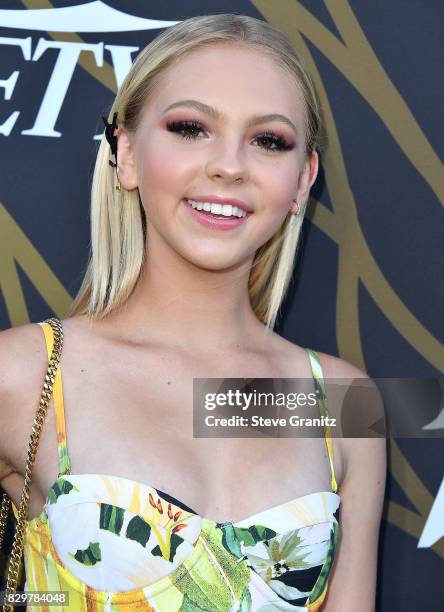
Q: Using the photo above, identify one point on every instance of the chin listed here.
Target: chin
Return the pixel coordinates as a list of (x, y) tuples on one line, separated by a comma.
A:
[(215, 261)]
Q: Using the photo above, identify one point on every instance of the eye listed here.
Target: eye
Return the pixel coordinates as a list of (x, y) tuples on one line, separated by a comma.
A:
[(187, 129), (279, 142), (191, 129)]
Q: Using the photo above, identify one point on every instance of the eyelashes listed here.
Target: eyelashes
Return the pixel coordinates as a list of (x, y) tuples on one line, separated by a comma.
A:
[(184, 128), (191, 129)]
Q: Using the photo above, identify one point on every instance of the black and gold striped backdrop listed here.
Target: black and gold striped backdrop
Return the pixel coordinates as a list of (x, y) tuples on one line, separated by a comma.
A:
[(369, 284)]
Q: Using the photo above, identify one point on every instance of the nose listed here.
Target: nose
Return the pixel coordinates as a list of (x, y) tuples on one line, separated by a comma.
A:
[(227, 164)]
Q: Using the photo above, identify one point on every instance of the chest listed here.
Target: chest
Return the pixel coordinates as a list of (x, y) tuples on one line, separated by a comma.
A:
[(134, 418)]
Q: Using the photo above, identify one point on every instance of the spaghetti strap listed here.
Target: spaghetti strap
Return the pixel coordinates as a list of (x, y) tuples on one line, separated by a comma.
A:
[(59, 412), (318, 378)]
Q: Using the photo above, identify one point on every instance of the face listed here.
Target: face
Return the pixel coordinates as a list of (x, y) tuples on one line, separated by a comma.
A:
[(219, 144)]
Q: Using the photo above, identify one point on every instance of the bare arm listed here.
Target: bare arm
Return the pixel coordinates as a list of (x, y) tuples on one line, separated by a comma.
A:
[(22, 368), (352, 584)]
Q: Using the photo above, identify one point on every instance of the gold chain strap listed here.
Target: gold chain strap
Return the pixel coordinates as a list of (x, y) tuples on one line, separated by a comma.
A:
[(17, 545), (4, 511)]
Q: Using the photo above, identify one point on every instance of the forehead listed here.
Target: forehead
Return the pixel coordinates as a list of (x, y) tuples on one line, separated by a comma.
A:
[(232, 77)]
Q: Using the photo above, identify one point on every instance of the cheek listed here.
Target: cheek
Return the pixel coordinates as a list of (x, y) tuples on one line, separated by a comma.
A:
[(163, 171), (278, 188)]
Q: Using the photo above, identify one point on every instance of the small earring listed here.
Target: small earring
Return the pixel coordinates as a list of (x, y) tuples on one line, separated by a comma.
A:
[(298, 207), (118, 187)]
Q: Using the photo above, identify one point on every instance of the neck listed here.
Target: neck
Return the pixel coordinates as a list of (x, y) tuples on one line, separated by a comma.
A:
[(179, 304)]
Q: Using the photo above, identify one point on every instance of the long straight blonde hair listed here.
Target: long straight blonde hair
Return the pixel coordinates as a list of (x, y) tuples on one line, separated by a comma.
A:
[(118, 224)]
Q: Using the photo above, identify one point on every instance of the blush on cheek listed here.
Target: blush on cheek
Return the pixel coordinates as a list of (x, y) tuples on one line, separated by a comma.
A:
[(280, 195), (156, 170), (166, 174)]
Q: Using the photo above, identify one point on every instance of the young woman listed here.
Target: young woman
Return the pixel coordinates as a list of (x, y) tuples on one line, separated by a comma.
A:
[(194, 234)]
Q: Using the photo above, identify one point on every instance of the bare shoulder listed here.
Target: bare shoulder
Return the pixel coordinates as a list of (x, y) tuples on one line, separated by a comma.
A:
[(335, 367), (289, 355), (362, 489), (23, 363), (361, 412)]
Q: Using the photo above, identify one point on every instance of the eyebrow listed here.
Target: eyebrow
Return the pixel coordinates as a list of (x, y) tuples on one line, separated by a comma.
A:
[(215, 114)]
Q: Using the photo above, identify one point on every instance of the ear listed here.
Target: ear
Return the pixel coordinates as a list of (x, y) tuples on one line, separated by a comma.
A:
[(126, 160), (307, 177)]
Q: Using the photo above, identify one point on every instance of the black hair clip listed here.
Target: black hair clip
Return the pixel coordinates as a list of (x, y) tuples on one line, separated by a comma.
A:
[(111, 138)]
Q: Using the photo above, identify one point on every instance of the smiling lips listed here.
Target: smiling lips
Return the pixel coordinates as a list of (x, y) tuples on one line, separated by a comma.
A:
[(217, 199), (224, 210), (216, 214)]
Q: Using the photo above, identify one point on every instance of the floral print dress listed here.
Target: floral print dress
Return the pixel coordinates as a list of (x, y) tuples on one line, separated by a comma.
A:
[(116, 544)]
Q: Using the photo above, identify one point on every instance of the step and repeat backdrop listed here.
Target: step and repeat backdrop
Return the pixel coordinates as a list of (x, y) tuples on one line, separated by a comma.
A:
[(368, 285)]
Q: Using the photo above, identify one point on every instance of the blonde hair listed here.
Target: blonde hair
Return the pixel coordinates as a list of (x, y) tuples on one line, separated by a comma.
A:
[(118, 224)]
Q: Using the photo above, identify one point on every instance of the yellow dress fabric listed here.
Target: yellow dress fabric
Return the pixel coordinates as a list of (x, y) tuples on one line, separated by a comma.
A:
[(116, 544)]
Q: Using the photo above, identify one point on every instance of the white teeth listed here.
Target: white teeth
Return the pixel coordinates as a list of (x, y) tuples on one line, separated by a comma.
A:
[(218, 209)]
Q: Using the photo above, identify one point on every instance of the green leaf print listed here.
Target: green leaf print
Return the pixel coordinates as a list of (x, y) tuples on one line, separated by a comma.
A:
[(289, 548), (230, 541), (216, 581), (260, 532), (234, 536), (60, 487), (175, 541), (63, 458), (189, 606), (321, 582), (246, 603), (89, 556), (319, 391), (138, 530), (111, 518)]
